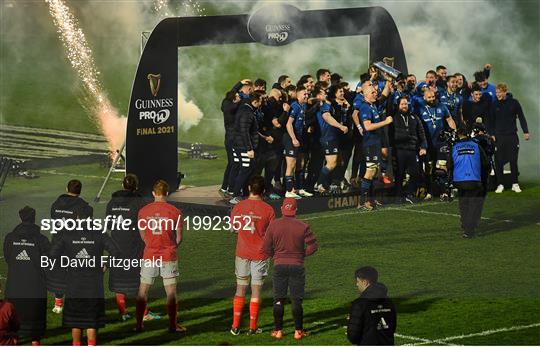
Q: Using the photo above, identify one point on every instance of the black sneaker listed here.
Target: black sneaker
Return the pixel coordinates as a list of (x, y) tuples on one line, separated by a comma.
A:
[(408, 199), (235, 331), (254, 331)]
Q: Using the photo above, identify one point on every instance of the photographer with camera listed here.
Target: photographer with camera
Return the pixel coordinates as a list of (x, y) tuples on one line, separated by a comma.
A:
[(468, 169)]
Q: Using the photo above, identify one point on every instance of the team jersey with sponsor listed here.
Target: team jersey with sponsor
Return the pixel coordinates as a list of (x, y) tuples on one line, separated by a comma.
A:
[(452, 101), (358, 101), (433, 118), (328, 133), (298, 114), (160, 222), (369, 112), (250, 218)]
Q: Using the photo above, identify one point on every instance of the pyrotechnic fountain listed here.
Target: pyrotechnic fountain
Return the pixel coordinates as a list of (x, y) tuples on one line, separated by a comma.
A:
[(79, 54)]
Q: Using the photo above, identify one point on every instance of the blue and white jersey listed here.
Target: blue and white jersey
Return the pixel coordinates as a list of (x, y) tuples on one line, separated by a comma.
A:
[(328, 132), (298, 114), (370, 112), (452, 101), (434, 118)]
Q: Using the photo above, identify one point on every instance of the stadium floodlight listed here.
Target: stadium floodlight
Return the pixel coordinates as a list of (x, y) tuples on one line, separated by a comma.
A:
[(152, 130)]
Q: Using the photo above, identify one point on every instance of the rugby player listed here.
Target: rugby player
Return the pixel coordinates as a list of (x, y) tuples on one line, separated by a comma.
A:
[(372, 142), (434, 117), (343, 111), (250, 219), (162, 234), (25, 287), (125, 205), (452, 100), (329, 139), (292, 146), (85, 297), (66, 206)]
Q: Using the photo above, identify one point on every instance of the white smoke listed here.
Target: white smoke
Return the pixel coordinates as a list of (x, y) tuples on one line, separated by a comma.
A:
[(189, 114)]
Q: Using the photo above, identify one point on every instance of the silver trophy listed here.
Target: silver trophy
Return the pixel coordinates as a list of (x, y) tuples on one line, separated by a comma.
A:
[(387, 70)]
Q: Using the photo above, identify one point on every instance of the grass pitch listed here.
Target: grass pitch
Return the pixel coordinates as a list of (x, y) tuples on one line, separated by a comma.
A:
[(448, 290)]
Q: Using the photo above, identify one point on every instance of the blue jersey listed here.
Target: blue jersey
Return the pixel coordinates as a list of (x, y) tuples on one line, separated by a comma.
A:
[(490, 90), (328, 132), (396, 94), (434, 118), (467, 161), (417, 103), (453, 102), (243, 97), (358, 101), (369, 112), (298, 114)]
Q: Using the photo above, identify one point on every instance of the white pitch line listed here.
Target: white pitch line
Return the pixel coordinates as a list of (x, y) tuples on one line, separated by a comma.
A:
[(355, 211), (434, 212), (487, 332), (54, 172)]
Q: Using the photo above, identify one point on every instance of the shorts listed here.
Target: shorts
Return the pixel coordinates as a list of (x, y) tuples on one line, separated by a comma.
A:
[(288, 148), (289, 277), (372, 153), (168, 271), (246, 268), (330, 147)]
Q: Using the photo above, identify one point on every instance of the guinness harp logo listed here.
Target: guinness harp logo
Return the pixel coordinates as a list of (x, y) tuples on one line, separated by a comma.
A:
[(155, 82), (388, 61)]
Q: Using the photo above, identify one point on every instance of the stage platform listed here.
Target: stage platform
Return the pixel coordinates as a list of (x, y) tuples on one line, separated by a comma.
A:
[(206, 201)]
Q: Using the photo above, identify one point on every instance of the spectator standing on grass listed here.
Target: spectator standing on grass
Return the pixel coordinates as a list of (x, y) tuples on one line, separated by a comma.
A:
[(372, 320), (250, 219), (26, 287), (288, 241), (67, 206)]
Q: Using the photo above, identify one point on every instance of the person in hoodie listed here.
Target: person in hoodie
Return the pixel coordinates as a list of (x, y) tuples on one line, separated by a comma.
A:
[(125, 205), (288, 241), (503, 127), (26, 288), (85, 299), (372, 320), (65, 207)]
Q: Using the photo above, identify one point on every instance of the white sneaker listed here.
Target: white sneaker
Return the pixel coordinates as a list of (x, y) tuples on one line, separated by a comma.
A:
[(500, 189), (292, 195), (304, 193), (58, 309), (235, 200), (516, 188)]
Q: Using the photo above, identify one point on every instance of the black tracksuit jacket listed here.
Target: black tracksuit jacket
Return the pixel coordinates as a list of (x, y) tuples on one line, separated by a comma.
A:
[(372, 319)]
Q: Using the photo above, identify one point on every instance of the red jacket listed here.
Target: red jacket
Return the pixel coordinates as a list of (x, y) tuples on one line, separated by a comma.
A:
[(288, 241)]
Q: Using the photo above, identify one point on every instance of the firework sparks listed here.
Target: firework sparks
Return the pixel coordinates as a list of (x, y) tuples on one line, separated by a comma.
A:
[(188, 8), (80, 57)]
